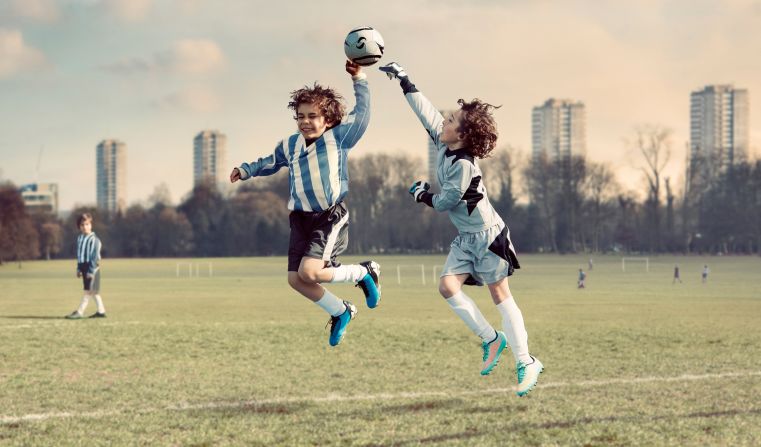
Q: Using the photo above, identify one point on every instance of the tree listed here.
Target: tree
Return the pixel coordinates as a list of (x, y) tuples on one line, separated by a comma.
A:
[(51, 238), (653, 142), (600, 189), (18, 235)]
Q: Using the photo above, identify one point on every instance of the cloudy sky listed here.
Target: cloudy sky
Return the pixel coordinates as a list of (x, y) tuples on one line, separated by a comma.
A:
[(153, 73)]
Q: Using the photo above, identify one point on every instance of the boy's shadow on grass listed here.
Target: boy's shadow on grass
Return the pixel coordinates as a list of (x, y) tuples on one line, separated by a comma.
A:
[(31, 317)]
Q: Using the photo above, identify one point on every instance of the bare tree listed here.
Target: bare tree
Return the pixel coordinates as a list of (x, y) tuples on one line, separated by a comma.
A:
[(653, 142), (600, 187)]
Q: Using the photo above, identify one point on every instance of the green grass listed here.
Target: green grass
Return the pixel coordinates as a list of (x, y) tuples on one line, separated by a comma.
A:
[(240, 359)]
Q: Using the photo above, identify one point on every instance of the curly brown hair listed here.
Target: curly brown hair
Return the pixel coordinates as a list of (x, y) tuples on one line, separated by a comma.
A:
[(479, 127), (82, 218), (327, 100)]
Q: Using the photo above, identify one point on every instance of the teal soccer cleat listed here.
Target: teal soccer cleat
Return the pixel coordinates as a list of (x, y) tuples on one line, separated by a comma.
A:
[(370, 283), (528, 375), (338, 324), (492, 352)]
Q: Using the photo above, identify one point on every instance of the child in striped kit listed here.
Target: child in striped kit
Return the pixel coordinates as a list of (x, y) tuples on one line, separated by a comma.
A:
[(482, 252), (319, 181), (88, 268)]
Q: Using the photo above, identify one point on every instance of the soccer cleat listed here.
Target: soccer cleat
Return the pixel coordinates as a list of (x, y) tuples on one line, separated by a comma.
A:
[(338, 324), (97, 315), (370, 283), (492, 352), (528, 375), (74, 316)]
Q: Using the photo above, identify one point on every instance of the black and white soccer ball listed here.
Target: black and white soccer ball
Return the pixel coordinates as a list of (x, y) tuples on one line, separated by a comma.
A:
[(364, 46)]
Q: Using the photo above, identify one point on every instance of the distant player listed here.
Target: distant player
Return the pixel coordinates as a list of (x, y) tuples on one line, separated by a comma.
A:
[(591, 264), (319, 180), (582, 278), (677, 276), (88, 268), (482, 252), (705, 273)]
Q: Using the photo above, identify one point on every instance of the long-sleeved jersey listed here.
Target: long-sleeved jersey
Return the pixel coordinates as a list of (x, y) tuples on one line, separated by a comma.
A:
[(463, 194), (319, 176), (88, 251)]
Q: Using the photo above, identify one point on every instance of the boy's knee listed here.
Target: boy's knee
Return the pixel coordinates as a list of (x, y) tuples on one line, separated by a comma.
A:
[(294, 280), (308, 275), (446, 290)]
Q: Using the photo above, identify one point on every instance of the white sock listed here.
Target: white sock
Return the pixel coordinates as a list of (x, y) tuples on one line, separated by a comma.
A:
[(515, 331), (83, 304), (349, 273), (468, 312), (99, 303), (332, 304)]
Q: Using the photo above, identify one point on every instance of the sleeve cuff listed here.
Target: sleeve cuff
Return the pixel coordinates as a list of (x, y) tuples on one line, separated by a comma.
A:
[(359, 76), (243, 173)]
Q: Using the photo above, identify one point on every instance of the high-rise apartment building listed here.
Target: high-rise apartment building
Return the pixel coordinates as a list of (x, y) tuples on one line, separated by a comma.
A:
[(111, 178), (719, 130), (210, 157), (558, 129)]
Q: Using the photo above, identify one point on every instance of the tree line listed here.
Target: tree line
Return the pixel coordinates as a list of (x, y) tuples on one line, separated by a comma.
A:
[(571, 205)]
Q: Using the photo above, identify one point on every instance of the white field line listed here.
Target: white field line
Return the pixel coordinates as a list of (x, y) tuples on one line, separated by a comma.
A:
[(365, 397)]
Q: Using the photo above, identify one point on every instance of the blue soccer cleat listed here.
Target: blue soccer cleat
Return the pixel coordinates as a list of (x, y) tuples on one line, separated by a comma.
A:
[(370, 283), (528, 375), (338, 324)]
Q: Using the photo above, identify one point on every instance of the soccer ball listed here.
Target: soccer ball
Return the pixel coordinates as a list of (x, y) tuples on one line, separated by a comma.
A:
[(364, 46)]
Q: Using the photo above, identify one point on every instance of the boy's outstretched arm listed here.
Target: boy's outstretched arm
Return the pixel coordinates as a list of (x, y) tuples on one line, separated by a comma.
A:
[(354, 126), (423, 108), (264, 166)]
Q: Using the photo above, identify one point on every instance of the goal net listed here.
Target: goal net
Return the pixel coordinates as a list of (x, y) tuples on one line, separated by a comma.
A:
[(635, 260)]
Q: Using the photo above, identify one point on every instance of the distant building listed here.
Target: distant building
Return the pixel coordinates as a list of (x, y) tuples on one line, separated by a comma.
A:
[(558, 129), (719, 127), (40, 197), (111, 178), (210, 157)]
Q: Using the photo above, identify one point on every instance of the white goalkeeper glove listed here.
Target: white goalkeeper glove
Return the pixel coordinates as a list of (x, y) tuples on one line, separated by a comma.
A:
[(418, 188), (393, 70)]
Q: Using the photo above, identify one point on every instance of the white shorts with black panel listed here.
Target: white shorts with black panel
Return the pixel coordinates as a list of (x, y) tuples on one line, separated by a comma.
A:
[(487, 256)]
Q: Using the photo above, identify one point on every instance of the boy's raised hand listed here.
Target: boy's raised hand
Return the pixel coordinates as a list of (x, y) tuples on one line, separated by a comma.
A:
[(235, 175), (393, 70), (352, 68)]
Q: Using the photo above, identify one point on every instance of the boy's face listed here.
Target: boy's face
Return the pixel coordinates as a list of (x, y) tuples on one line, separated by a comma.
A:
[(310, 120), (86, 227), (450, 134)]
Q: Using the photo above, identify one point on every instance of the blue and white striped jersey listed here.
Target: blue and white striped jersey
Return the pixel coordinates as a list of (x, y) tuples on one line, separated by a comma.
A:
[(88, 251), (463, 194), (319, 176)]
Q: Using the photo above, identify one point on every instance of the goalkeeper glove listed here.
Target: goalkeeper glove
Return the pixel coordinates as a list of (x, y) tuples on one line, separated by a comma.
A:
[(418, 188), (393, 70)]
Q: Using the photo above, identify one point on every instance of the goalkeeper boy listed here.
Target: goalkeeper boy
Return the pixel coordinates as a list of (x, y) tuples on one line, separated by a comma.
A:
[(482, 252)]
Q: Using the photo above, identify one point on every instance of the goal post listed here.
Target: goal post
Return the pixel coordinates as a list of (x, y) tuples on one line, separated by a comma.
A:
[(194, 269), (399, 268), (630, 259)]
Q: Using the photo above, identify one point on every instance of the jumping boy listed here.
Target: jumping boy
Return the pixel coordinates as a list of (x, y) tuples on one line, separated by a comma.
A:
[(482, 251), (88, 268), (319, 180)]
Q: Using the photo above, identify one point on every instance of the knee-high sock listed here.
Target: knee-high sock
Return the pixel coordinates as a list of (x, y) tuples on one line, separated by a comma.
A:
[(468, 312), (348, 273), (99, 303), (83, 304), (515, 330), (332, 304)]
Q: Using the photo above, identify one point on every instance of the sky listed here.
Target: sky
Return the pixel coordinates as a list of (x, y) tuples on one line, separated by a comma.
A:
[(153, 73)]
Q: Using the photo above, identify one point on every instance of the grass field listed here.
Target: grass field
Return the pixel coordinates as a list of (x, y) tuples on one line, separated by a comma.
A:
[(240, 359)]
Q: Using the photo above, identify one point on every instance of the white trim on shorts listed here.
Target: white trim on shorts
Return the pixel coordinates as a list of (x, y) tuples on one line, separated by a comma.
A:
[(330, 243)]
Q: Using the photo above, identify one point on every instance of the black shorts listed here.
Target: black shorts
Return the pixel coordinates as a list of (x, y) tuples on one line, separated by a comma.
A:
[(90, 284), (320, 234)]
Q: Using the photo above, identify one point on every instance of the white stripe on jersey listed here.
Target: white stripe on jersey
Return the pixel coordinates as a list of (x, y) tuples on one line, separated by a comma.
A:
[(335, 178), (84, 247), (316, 175), (333, 237), (298, 186)]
